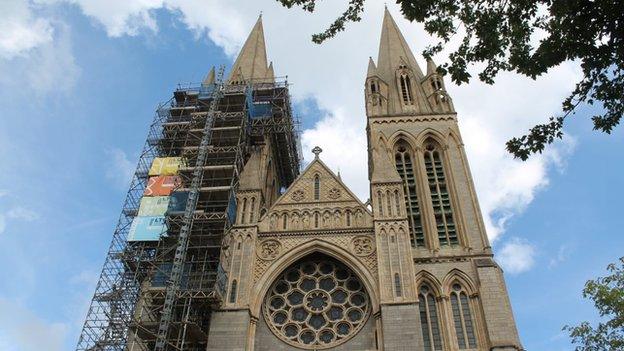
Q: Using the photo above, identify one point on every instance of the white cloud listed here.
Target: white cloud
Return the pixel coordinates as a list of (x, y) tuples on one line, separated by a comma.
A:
[(120, 168), (20, 30), (35, 52), (516, 256), (23, 214), (562, 254), (333, 75), (23, 330), (15, 213), (2, 223)]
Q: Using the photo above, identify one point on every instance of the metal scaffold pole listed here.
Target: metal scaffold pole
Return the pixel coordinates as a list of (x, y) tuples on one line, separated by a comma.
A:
[(157, 289), (118, 287), (173, 285)]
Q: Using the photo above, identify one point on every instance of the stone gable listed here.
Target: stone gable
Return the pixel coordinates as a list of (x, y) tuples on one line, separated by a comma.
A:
[(298, 209)]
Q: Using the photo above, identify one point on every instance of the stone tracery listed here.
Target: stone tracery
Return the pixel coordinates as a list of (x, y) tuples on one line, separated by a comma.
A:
[(316, 303)]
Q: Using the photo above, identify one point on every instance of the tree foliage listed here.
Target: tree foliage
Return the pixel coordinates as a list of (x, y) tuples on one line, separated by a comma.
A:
[(607, 293), (501, 35)]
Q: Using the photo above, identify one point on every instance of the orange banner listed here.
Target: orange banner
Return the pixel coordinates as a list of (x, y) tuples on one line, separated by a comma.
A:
[(161, 185)]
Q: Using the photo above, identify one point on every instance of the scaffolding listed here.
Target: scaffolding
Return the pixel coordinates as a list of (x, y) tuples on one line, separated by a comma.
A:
[(159, 294)]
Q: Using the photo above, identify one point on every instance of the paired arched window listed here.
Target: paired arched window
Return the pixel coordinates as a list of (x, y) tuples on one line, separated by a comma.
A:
[(317, 187), (429, 319), (443, 212), (462, 318), (406, 89), (403, 162)]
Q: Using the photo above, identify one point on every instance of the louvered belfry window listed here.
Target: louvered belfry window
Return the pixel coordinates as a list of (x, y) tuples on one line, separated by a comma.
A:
[(462, 318), (432, 339), (403, 163), (406, 89), (445, 225)]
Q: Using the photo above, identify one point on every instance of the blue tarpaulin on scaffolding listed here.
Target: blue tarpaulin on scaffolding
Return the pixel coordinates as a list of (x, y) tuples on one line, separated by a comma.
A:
[(231, 210), (177, 201), (258, 109), (205, 91)]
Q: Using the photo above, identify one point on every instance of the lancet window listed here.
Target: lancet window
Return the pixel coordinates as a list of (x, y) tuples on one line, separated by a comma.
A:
[(429, 319), (243, 212), (403, 162), (443, 212), (233, 291), (252, 209), (397, 285), (317, 187), (406, 87), (373, 87), (462, 318)]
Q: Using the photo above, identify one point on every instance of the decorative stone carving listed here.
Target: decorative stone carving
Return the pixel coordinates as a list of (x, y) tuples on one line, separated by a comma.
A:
[(333, 193), (298, 195), (362, 245), (359, 218), (337, 219), (269, 249), (305, 220), (317, 304), (294, 224), (326, 219)]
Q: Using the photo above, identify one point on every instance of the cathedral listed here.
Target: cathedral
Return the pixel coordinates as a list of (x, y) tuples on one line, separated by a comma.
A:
[(314, 268)]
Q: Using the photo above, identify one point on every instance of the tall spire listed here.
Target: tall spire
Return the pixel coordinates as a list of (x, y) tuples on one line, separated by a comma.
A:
[(251, 62), (396, 58), (431, 66), (393, 50), (372, 69), (210, 78), (270, 76)]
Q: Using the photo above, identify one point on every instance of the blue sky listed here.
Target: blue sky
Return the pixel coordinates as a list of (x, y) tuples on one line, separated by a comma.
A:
[(79, 88)]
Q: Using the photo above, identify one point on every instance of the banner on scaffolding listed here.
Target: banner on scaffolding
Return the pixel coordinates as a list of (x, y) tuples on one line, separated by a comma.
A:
[(148, 228), (161, 185), (165, 166), (153, 206)]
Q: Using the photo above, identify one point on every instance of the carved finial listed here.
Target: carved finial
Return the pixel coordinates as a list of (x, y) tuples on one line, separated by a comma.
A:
[(316, 151)]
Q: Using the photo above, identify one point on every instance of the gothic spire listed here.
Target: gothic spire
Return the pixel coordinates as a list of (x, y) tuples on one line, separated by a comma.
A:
[(270, 76), (210, 78), (372, 69), (431, 66), (251, 62), (394, 51)]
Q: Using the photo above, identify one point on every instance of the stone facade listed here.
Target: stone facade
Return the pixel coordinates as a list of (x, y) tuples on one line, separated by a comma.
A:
[(314, 268)]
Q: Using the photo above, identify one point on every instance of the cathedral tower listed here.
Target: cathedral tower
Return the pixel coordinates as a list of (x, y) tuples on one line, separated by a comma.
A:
[(224, 244), (436, 269)]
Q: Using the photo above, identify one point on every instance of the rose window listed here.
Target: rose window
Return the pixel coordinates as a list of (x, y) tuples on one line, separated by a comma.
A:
[(316, 303)]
